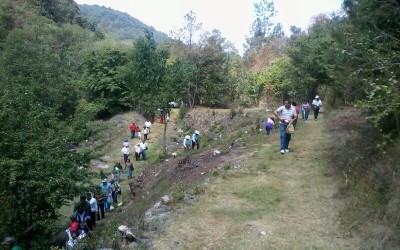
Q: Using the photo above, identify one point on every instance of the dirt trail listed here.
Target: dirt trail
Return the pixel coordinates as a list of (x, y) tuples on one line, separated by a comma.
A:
[(287, 203)]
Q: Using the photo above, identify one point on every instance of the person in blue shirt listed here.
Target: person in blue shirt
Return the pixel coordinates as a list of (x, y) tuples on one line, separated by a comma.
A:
[(187, 142), (105, 188)]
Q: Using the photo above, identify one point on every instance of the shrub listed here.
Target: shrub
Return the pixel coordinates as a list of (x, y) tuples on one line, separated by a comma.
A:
[(182, 112), (232, 113), (199, 190), (178, 195), (215, 172)]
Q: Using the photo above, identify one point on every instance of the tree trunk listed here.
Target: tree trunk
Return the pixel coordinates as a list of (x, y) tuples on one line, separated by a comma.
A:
[(165, 135)]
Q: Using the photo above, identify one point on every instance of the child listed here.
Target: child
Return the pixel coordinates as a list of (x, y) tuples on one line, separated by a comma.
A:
[(139, 134), (269, 125)]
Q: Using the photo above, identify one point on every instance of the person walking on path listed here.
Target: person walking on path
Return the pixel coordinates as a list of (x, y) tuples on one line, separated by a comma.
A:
[(196, 139), (114, 191), (297, 108), (132, 127), (138, 133), (146, 131), (144, 148), (138, 151), (125, 151), (117, 170), (93, 208), (105, 187), (317, 103), (286, 114), (129, 168), (100, 205), (305, 110), (147, 124), (126, 142), (10, 243)]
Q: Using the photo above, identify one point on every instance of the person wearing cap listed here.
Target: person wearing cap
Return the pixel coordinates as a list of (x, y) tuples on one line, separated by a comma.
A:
[(286, 115), (196, 139), (105, 187), (10, 243), (187, 142), (317, 103)]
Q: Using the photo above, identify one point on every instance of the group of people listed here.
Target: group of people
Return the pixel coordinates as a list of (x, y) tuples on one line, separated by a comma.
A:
[(192, 142), (287, 114), (83, 219), (136, 131)]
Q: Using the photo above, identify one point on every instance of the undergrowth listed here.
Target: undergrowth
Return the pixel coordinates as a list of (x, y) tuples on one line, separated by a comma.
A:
[(371, 182)]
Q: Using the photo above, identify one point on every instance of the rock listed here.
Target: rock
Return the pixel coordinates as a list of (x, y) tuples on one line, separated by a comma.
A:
[(105, 158), (155, 217), (166, 200), (123, 229), (237, 166), (98, 164), (133, 246), (188, 198), (216, 152)]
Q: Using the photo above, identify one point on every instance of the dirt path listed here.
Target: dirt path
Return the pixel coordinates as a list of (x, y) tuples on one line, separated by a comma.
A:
[(273, 201)]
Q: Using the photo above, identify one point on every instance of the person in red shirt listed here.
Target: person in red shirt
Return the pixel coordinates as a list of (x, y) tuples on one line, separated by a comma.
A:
[(132, 127), (297, 108)]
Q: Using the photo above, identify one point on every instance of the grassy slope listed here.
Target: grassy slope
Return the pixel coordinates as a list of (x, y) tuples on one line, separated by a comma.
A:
[(272, 202)]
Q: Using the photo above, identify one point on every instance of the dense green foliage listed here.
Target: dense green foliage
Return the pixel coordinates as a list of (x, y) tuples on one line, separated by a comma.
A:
[(118, 24), (37, 125)]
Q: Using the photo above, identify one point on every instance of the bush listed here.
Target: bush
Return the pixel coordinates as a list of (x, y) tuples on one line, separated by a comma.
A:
[(232, 113), (178, 195), (182, 112), (227, 167), (215, 172)]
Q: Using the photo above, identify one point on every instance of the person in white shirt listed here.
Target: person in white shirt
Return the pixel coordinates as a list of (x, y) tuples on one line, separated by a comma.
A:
[(125, 150), (196, 139), (93, 208), (147, 124), (146, 131), (317, 103), (144, 147), (138, 151), (286, 115)]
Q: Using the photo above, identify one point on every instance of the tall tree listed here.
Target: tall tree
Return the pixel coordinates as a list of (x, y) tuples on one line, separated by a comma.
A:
[(104, 83), (39, 170)]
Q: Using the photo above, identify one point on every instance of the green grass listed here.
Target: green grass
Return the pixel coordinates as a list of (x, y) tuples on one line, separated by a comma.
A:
[(256, 203)]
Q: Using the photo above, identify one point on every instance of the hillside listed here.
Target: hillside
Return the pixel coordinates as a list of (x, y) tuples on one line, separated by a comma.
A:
[(118, 24), (246, 195)]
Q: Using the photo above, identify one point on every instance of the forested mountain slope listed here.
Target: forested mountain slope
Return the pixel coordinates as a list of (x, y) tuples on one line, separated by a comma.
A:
[(118, 24)]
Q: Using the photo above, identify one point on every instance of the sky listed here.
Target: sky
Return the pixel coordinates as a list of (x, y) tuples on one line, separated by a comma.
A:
[(232, 17)]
